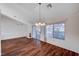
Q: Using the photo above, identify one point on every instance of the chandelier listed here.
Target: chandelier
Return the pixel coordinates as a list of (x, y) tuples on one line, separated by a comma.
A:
[(40, 23)]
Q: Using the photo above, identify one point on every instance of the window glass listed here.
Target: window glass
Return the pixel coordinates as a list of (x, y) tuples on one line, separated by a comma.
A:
[(55, 31), (36, 32), (49, 31), (58, 31)]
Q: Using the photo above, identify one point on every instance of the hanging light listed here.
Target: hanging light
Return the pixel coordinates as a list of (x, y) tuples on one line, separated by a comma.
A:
[(40, 23)]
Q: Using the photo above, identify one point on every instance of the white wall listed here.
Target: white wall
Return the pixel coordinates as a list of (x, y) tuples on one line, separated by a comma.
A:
[(11, 28), (0, 34), (71, 41)]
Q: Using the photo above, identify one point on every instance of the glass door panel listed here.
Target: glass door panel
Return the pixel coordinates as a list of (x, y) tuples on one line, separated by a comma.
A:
[(36, 34)]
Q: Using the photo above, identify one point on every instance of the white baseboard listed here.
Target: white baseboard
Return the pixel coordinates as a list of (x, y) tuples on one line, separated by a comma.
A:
[(6, 38)]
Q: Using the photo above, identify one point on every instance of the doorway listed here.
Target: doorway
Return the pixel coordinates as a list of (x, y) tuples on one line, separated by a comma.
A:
[(36, 34)]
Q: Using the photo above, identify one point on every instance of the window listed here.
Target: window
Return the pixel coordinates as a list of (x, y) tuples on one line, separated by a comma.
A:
[(55, 31), (36, 32), (49, 31), (58, 31), (33, 32)]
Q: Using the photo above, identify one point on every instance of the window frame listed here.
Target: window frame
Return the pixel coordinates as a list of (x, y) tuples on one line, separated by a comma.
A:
[(53, 29), (46, 32), (36, 31)]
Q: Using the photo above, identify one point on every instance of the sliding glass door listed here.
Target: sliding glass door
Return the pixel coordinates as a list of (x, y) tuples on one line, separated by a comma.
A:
[(36, 34)]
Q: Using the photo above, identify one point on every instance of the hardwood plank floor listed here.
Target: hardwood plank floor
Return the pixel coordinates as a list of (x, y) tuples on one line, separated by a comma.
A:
[(29, 47)]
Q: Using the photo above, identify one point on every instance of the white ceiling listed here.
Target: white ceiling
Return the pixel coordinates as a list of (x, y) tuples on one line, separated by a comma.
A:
[(28, 12)]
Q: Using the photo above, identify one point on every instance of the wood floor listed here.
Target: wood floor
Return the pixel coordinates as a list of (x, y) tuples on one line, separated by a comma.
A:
[(31, 47)]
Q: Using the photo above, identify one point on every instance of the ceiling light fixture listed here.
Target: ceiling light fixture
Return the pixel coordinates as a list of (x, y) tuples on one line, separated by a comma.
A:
[(40, 22)]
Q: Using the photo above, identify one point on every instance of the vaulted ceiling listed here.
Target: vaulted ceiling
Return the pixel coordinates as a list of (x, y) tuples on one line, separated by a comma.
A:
[(29, 12)]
